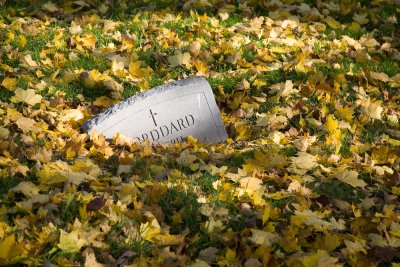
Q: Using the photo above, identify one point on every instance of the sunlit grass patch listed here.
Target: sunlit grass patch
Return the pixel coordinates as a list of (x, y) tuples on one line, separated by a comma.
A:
[(88, 62)]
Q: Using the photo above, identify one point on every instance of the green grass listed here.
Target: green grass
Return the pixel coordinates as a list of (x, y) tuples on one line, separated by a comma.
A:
[(335, 189), (181, 27), (248, 55), (88, 62), (232, 20), (288, 151), (23, 82), (281, 203), (205, 182), (153, 56), (227, 82), (119, 242), (68, 211), (6, 183), (5, 94), (102, 39), (345, 148), (35, 44), (178, 200), (237, 160), (72, 89), (370, 133), (129, 90)]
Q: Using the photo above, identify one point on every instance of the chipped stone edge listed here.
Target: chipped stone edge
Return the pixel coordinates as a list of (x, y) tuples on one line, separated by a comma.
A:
[(89, 124)]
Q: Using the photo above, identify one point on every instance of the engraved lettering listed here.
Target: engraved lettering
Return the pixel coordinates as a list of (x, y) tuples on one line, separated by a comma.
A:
[(191, 119), (153, 133), (181, 124), (173, 127), (164, 134), (145, 136)]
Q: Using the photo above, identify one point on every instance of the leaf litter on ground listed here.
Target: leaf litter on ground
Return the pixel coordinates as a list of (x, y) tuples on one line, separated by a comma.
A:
[(308, 92)]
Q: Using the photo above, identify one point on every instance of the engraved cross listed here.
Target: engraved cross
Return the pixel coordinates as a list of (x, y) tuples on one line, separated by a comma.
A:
[(152, 116)]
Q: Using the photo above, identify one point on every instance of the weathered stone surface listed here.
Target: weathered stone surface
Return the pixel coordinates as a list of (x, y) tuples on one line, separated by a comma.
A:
[(165, 114)]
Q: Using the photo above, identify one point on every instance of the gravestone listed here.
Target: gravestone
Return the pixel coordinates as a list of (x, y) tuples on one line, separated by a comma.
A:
[(165, 114)]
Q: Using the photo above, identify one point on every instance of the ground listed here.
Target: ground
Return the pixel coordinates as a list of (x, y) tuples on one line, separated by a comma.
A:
[(308, 92)]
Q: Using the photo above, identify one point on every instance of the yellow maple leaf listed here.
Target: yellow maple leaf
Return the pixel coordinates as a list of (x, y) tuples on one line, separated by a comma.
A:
[(9, 83), (350, 177), (344, 113), (87, 41), (26, 188), (195, 48), (27, 61), (201, 65), (263, 238), (149, 232), (90, 259), (118, 64), (26, 96), (180, 59), (10, 249), (334, 138), (333, 23), (26, 125), (380, 76), (321, 258), (373, 110), (51, 7), (70, 242), (167, 239), (250, 183), (230, 255), (331, 125), (137, 71), (185, 158), (243, 132), (75, 28), (304, 161), (283, 89), (134, 69), (72, 115), (103, 101)]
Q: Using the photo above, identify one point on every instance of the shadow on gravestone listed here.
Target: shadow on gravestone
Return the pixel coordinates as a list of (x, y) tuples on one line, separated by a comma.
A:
[(165, 114)]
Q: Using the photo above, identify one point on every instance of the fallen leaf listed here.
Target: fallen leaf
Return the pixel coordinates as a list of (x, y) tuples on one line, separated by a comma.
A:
[(180, 59), (304, 161), (320, 258), (70, 242), (263, 238), (90, 259), (283, 89), (10, 249), (51, 7), (96, 204), (9, 83), (28, 61), (72, 115), (250, 183), (26, 96), (350, 177), (74, 28), (26, 188), (26, 125), (380, 76)]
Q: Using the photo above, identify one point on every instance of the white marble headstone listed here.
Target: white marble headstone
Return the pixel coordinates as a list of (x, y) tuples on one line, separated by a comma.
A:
[(165, 114)]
